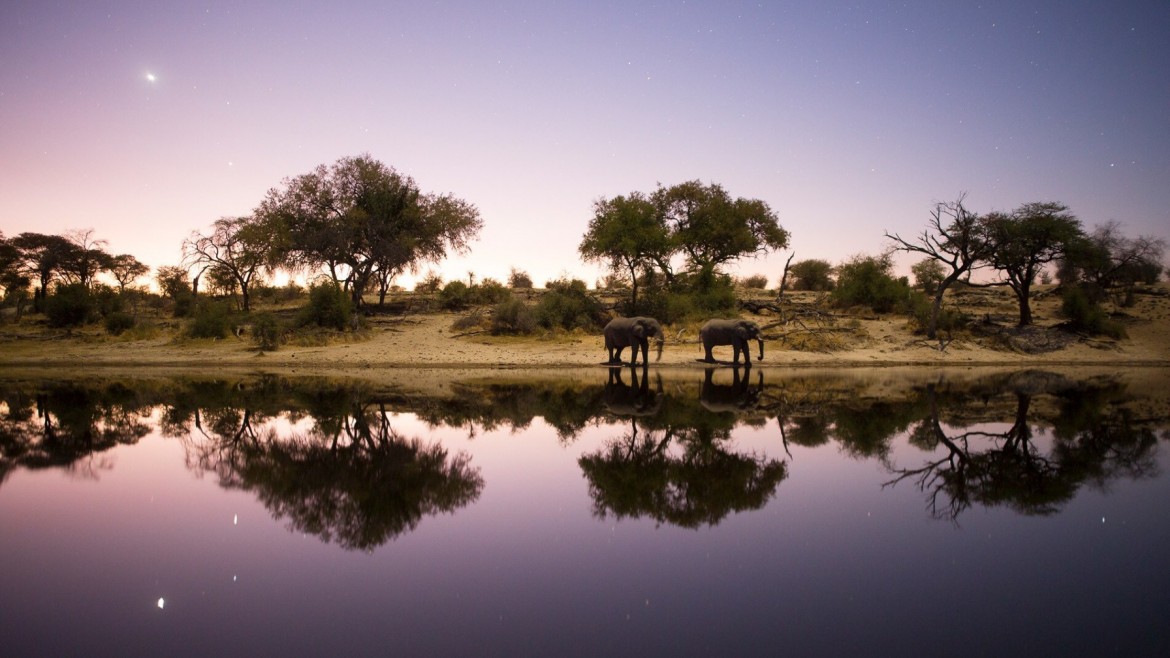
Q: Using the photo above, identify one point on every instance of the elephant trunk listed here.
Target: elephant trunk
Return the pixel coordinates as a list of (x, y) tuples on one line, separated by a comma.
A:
[(761, 342), (661, 342)]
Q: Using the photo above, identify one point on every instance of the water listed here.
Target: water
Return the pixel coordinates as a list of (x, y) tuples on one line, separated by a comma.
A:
[(806, 514)]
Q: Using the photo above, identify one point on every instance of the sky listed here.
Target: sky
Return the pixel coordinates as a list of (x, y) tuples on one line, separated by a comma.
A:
[(146, 121)]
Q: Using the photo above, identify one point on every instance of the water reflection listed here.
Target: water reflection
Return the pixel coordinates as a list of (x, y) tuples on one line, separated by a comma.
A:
[(325, 456), (1094, 439)]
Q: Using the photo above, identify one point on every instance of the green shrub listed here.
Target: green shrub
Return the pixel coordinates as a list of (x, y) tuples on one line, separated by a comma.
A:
[(866, 281), (1084, 313), (118, 321), (455, 296), (328, 307), (429, 283), (70, 305), (567, 304), (519, 279), (211, 319), (949, 318), (513, 316), (811, 274), (755, 282), (489, 291), (267, 331)]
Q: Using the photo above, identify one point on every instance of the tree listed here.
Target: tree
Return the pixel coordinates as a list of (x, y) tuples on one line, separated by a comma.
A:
[(1109, 259), (628, 234), (13, 281), (126, 269), (711, 229), (1021, 243), (87, 258), (636, 233), (954, 238), (360, 218), (928, 274), (812, 274), (238, 247), (42, 258)]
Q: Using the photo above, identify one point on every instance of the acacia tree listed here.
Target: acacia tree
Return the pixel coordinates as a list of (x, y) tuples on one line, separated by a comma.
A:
[(712, 229), (236, 246), (1107, 258), (637, 233), (41, 259), (360, 217), (954, 238), (86, 259), (628, 235), (1021, 243), (126, 269)]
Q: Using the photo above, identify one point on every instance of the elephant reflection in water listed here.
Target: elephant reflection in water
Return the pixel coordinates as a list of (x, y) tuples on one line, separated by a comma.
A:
[(677, 470), (738, 397), (634, 399), (1089, 445)]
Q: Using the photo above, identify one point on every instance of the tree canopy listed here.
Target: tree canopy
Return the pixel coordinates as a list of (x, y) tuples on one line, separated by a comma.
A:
[(641, 233), (359, 218), (1022, 242)]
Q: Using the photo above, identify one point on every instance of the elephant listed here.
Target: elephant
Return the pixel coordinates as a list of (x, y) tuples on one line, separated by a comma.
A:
[(632, 332), (736, 333)]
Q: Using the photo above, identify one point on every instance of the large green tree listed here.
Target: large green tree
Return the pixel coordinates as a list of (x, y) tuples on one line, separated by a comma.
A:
[(42, 258), (359, 217), (639, 233), (628, 234), (1023, 242), (711, 229)]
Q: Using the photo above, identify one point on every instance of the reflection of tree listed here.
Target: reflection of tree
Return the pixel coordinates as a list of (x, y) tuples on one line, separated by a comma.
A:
[(992, 468), (636, 474), (66, 425), (354, 480)]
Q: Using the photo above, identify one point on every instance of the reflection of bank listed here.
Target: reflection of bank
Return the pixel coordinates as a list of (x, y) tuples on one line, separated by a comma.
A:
[(637, 474), (1089, 440)]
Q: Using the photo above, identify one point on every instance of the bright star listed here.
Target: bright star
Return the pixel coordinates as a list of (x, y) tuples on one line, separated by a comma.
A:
[(150, 77)]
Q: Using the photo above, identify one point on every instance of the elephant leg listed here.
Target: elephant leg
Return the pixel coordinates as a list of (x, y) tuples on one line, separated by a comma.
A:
[(707, 348), (616, 357)]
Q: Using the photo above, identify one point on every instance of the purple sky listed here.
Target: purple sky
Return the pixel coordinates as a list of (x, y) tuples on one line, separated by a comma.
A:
[(849, 119)]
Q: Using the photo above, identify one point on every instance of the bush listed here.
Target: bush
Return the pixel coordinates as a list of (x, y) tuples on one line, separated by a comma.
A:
[(118, 321), (70, 306), (949, 318), (567, 304), (519, 279), (454, 296), (328, 307), (866, 281), (211, 319), (813, 274), (928, 274), (755, 282), (430, 283), (267, 332), (513, 316), (489, 291), (1085, 314)]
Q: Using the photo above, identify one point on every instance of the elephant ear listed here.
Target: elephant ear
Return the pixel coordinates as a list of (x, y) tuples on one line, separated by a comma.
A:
[(639, 330)]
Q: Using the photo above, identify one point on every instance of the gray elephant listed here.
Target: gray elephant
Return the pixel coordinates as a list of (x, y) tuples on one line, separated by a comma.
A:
[(736, 333), (635, 332)]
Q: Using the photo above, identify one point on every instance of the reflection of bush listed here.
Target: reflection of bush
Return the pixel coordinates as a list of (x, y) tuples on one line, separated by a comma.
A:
[(636, 477), (360, 496)]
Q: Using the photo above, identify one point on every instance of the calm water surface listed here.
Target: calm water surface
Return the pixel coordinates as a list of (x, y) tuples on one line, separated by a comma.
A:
[(604, 514)]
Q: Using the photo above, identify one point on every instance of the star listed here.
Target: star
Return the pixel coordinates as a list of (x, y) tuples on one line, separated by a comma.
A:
[(150, 77)]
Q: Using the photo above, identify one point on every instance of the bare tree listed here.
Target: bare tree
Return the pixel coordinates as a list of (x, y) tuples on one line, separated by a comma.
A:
[(236, 245), (955, 238)]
